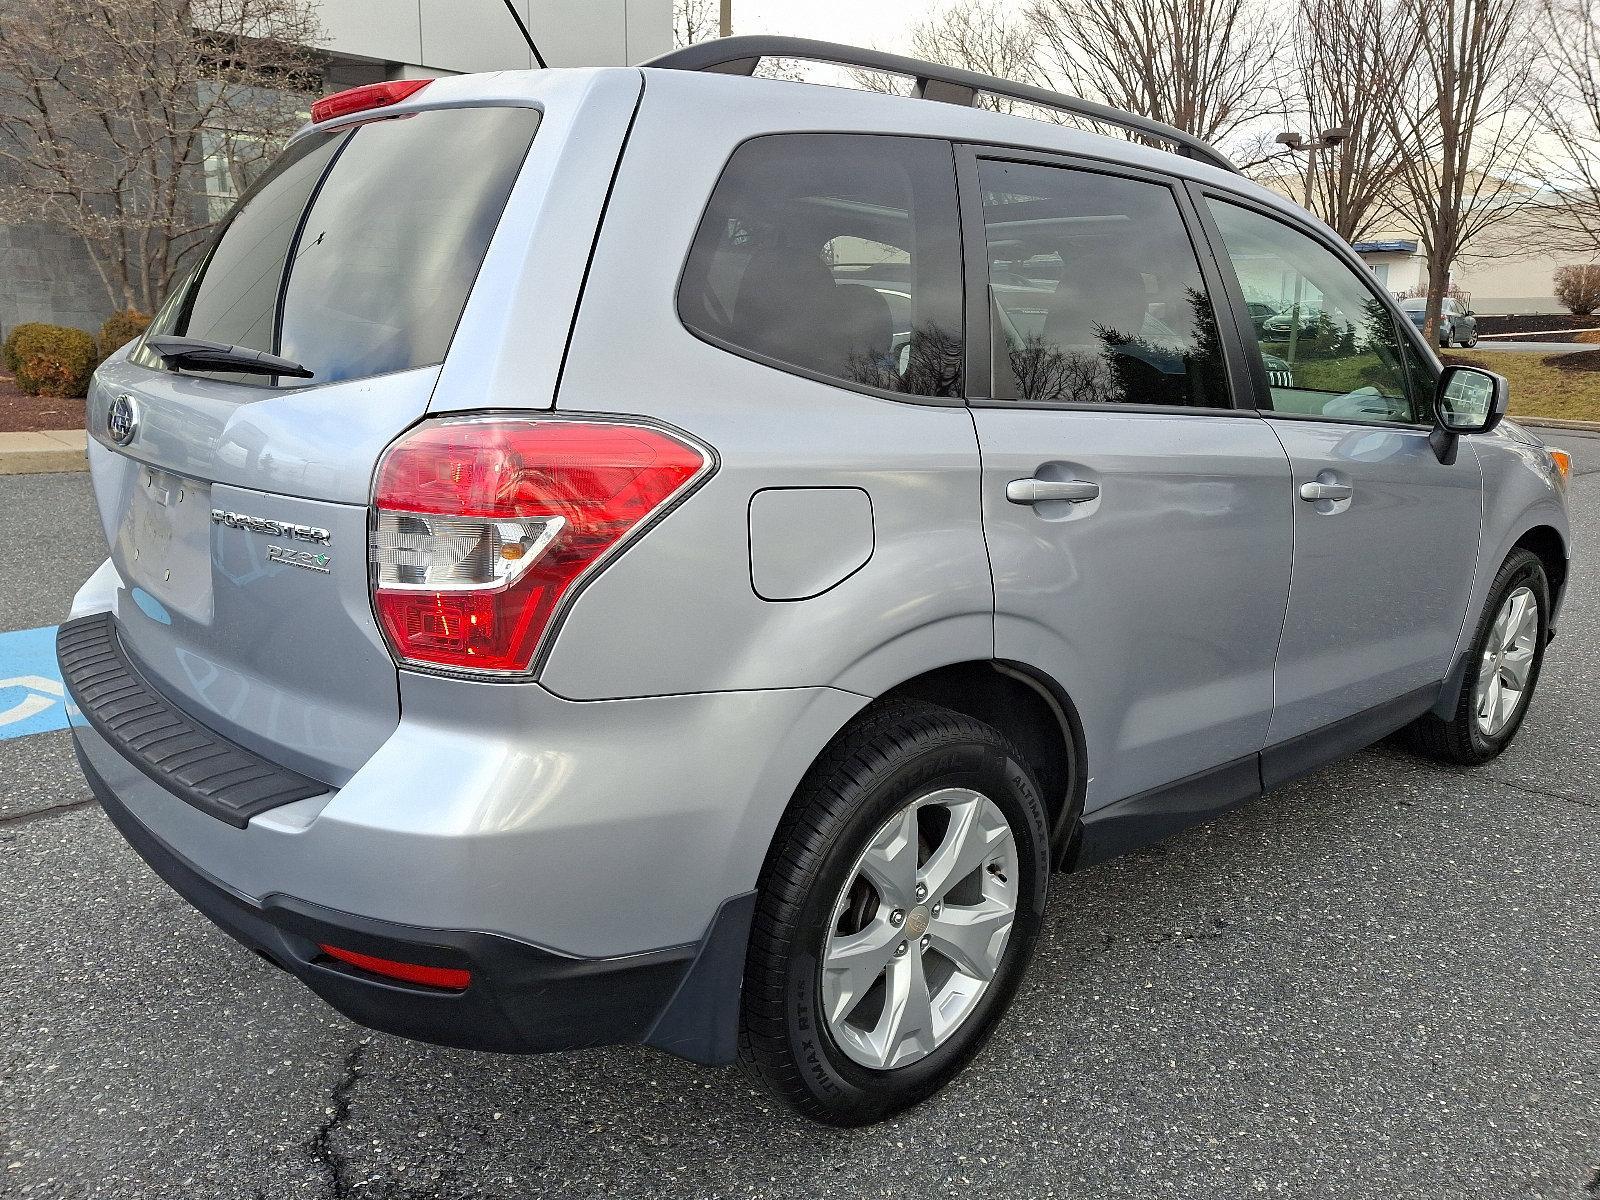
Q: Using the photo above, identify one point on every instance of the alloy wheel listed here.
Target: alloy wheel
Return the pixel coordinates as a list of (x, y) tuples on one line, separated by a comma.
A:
[(920, 927), (1507, 663)]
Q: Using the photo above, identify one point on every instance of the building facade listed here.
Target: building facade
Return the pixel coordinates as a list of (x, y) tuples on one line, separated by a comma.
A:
[(45, 275)]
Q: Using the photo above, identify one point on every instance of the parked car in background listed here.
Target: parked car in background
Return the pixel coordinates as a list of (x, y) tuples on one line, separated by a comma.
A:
[(1458, 326), (694, 591), (1260, 313), (1280, 324)]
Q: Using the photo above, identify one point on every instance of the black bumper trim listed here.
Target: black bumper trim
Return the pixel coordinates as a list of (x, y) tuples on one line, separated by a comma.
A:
[(522, 998), (195, 764)]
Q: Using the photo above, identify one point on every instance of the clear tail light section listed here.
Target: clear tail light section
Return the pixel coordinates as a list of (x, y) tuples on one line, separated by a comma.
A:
[(483, 526)]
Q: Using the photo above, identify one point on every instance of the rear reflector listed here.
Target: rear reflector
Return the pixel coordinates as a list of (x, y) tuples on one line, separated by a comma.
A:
[(371, 95), (484, 525), (448, 978)]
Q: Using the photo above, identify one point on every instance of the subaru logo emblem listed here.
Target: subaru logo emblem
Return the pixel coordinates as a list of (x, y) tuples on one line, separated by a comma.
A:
[(122, 419)]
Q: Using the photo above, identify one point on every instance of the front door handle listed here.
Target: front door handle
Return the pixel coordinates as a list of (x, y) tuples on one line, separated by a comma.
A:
[(1313, 492), (1037, 491)]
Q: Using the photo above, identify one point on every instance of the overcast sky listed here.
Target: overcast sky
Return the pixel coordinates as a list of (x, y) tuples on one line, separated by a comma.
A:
[(885, 24)]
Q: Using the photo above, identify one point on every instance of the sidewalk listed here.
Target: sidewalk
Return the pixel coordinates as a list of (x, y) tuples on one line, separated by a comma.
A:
[(36, 453)]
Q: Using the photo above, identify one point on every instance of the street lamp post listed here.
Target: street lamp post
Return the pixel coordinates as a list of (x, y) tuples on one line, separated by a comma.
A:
[(1327, 141), (1294, 141)]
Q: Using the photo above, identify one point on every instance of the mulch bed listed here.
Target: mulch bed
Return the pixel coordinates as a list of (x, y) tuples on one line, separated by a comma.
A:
[(1533, 323), (21, 413), (1578, 361)]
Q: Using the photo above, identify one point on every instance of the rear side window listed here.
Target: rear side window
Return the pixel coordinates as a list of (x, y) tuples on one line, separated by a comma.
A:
[(1097, 293), (837, 255), (355, 253)]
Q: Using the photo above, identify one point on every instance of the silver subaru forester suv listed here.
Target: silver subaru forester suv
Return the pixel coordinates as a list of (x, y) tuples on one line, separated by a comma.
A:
[(664, 556)]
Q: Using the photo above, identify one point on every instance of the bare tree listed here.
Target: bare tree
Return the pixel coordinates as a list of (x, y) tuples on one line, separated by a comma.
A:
[(1205, 66), (694, 21), (124, 121), (1352, 62), (982, 36), (1568, 213), (975, 35), (1463, 127)]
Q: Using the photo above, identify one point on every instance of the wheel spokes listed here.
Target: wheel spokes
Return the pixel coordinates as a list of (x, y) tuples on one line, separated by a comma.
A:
[(1516, 664), (1507, 705), (906, 1028), (976, 832), (1511, 621), (1489, 705), (890, 863), (973, 937), (854, 963)]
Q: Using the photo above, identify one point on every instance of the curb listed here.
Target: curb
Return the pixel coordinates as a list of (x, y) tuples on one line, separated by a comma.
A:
[(38, 453), (1555, 423)]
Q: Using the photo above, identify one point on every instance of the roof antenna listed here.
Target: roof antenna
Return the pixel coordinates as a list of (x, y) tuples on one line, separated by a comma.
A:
[(526, 36)]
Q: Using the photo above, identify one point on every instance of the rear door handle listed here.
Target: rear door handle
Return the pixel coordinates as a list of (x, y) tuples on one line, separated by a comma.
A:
[(1312, 492), (1037, 491)]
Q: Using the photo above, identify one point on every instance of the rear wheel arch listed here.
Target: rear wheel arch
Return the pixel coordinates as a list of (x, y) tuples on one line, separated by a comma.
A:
[(1030, 709)]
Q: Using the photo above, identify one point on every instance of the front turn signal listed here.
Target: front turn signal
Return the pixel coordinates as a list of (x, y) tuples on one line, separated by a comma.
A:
[(1562, 461)]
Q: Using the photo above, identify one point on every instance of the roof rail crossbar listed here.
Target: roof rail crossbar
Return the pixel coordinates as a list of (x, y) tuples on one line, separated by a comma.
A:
[(951, 85)]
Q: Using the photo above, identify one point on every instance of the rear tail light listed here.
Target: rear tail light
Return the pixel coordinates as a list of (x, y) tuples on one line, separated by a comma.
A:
[(370, 95), (483, 526), (450, 978)]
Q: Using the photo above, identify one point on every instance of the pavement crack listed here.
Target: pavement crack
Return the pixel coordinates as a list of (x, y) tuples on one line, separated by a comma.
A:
[(322, 1148), (16, 820), (1545, 793)]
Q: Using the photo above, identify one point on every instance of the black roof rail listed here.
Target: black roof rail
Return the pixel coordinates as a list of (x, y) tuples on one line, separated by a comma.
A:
[(952, 85)]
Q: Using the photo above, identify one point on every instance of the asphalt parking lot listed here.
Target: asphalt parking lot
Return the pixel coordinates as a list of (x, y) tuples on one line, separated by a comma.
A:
[(1381, 981)]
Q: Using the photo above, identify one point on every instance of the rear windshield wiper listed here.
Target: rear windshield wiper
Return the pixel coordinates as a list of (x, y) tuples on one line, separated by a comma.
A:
[(200, 355)]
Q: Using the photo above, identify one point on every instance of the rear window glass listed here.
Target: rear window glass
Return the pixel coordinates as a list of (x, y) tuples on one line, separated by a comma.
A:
[(835, 254), (355, 253)]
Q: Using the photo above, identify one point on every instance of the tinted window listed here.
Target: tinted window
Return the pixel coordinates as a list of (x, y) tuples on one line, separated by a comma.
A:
[(379, 268), (236, 298), (1333, 350), (834, 254), (1097, 294)]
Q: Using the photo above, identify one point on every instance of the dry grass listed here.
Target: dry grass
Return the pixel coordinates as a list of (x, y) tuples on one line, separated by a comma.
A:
[(1540, 388)]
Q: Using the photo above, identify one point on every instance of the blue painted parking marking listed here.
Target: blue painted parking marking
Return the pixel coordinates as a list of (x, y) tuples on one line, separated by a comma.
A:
[(32, 697)]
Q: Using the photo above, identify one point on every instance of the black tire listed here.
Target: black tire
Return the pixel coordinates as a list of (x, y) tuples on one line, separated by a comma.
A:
[(1444, 337), (1470, 342), (1460, 739), (888, 757)]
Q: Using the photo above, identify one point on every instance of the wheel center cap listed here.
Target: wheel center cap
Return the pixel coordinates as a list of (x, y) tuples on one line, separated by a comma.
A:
[(917, 920)]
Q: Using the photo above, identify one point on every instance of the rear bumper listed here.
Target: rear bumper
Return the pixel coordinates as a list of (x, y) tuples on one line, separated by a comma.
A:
[(521, 998), (591, 864)]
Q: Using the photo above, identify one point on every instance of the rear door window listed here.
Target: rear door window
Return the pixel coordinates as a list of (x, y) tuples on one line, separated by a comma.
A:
[(1097, 294), (835, 255), (355, 253)]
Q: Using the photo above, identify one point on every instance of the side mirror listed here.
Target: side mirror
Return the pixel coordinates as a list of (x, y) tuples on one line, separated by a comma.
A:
[(1467, 400)]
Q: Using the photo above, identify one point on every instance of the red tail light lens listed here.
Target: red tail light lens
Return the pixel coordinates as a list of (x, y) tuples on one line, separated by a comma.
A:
[(371, 95), (483, 526), (452, 978)]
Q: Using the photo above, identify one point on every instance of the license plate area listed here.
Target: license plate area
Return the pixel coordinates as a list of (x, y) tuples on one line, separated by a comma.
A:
[(163, 545)]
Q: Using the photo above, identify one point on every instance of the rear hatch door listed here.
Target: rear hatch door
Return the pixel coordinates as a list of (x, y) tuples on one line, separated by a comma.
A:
[(236, 505)]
